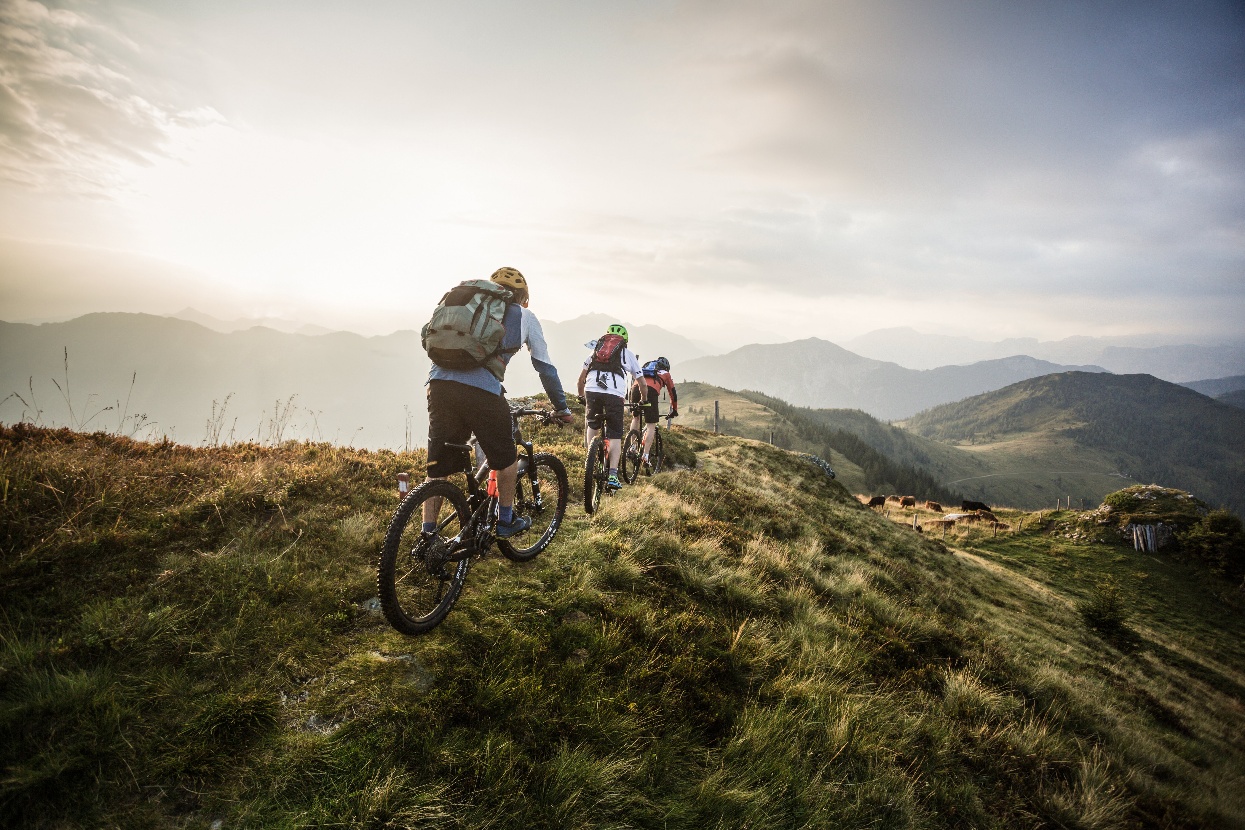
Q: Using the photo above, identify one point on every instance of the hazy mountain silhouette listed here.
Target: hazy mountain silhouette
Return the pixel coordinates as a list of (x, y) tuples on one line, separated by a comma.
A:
[(340, 386), (1149, 354), (1217, 387), (816, 373)]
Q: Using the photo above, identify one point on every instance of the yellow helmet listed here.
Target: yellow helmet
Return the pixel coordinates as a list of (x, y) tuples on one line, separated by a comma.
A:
[(512, 279)]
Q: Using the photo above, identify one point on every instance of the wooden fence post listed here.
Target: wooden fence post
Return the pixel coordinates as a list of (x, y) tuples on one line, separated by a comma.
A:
[(715, 417)]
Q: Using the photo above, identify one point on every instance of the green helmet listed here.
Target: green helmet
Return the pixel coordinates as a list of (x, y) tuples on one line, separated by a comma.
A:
[(618, 329)]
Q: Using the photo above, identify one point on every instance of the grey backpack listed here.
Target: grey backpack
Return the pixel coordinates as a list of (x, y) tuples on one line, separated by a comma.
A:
[(467, 327)]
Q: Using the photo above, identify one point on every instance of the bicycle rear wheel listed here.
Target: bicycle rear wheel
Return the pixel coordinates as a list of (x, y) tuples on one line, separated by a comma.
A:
[(419, 577), (540, 494), (656, 454), (632, 453), (595, 474)]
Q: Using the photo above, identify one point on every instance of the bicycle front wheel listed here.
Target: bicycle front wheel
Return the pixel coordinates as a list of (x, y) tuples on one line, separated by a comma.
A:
[(657, 454), (595, 473), (420, 575), (632, 457), (540, 494)]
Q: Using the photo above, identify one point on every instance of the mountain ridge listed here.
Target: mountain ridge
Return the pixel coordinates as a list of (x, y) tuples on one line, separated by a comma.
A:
[(823, 375)]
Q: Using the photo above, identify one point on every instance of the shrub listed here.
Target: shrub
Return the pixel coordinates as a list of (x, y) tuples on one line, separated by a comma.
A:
[(1218, 539), (1104, 609)]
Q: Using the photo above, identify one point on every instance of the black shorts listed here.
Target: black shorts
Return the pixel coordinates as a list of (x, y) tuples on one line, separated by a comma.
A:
[(455, 411), (651, 408), (607, 407)]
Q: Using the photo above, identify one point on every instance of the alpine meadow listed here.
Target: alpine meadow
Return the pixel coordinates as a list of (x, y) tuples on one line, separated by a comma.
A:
[(191, 639)]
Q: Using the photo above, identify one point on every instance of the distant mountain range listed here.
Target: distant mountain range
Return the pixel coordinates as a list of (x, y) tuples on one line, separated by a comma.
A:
[(1148, 354), (340, 387), (818, 374), (1068, 436)]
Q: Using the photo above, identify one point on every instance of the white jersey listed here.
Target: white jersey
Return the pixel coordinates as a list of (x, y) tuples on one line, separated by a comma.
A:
[(610, 383)]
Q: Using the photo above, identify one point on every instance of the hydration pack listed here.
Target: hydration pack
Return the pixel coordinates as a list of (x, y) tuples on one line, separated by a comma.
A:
[(608, 354), (467, 327), (650, 369)]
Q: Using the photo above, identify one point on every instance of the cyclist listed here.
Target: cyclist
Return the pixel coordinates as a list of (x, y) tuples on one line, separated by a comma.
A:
[(647, 390), (466, 401), (610, 363)]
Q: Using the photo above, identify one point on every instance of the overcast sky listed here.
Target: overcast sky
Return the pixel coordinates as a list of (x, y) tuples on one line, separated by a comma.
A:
[(738, 172)]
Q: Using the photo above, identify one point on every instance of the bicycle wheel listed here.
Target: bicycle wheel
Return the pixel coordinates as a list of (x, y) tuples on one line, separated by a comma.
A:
[(656, 455), (420, 577), (544, 504), (595, 473), (632, 452)]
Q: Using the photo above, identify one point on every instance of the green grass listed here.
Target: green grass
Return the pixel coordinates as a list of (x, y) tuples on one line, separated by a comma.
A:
[(190, 636)]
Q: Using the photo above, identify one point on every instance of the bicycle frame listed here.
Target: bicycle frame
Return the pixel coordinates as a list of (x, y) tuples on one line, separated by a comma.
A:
[(478, 534)]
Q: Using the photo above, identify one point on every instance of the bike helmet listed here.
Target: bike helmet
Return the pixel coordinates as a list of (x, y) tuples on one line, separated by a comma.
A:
[(512, 279), (663, 364), (618, 329)]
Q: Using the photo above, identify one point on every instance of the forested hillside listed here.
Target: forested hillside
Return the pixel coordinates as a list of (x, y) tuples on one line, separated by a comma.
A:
[(191, 639)]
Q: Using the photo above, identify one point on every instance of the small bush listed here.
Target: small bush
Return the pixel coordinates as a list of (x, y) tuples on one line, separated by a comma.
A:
[(1104, 609)]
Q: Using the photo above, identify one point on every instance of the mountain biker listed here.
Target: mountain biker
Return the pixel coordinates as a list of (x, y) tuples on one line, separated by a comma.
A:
[(466, 401), (605, 396), (647, 389)]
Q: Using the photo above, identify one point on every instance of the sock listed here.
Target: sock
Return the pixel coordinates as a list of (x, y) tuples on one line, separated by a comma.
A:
[(429, 527), (613, 471), (505, 515)]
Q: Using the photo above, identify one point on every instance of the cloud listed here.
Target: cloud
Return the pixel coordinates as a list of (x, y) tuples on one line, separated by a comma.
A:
[(72, 114)]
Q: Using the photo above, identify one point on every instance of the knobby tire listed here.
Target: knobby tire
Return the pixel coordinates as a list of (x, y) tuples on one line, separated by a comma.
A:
[(417, 581), (656, 454), (632, 453), (547, 516), (595, 473)]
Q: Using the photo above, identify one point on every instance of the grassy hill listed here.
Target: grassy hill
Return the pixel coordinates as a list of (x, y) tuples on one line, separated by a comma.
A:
[(190, 636), (867, 455), (1094, 431)]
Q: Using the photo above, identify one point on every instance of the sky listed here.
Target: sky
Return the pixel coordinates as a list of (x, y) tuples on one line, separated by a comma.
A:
[(733, 171)]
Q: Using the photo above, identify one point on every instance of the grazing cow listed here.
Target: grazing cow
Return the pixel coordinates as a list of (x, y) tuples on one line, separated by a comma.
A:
[(933, 505), (988, 516), (907, 501), (969, 506), (877, 501)]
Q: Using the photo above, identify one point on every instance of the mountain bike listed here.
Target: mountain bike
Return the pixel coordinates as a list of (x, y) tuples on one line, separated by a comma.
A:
[(421, 575), (633, 448), (597, 472)]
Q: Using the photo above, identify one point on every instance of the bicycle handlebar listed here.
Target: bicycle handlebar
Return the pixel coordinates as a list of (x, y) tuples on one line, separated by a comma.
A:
[(545, 414)]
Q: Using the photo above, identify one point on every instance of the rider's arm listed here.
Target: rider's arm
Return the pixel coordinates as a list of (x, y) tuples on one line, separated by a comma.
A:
[(668, 382), (631, 365), (512, 340), (534, 338)]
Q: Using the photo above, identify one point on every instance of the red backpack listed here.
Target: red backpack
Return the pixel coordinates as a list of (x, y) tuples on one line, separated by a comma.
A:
[(608, 354)]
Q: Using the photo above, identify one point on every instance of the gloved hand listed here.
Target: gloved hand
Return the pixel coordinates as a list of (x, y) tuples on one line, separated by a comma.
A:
[(582, 400), (674, 413)]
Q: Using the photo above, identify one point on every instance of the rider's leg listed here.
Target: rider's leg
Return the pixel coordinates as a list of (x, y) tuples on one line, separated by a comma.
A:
[(506, 480)]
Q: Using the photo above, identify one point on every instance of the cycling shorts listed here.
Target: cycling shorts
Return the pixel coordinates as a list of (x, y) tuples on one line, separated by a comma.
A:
[(455, 411), (650, 397), (602, 406)]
